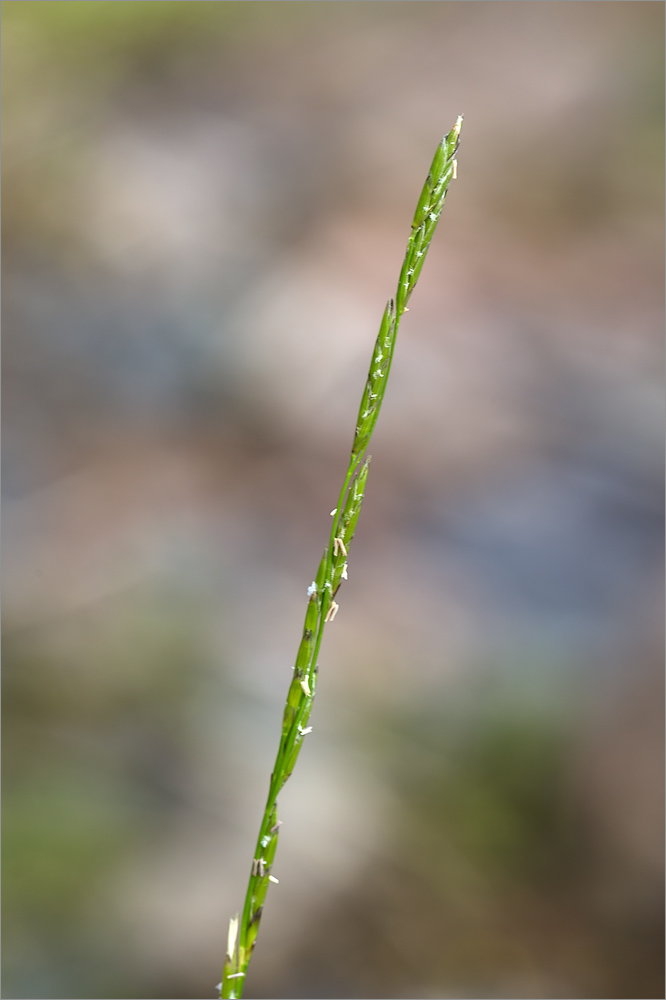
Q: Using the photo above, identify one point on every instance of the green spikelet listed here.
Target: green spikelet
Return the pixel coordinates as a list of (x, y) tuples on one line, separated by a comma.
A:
[(322, 606)]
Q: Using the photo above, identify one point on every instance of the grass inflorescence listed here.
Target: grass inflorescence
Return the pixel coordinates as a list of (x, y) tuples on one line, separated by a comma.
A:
[(322, 606)]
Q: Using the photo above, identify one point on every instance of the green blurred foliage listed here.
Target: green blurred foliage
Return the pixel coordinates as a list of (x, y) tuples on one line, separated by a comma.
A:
[(98, 750), (500, 799)]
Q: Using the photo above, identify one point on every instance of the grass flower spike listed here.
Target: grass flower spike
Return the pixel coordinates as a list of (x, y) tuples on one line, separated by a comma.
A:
[(322, 606)]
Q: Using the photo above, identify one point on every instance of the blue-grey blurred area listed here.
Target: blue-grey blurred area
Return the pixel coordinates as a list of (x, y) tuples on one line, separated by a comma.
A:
[(205, 208)]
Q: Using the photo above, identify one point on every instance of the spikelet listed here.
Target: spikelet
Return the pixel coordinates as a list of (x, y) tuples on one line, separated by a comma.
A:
[(322, 607)]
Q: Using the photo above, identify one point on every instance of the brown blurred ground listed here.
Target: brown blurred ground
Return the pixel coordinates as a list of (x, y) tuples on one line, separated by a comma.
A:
[(205, 207)]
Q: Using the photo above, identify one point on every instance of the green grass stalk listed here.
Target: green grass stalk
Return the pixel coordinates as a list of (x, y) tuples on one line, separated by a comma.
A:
[(322, 606)]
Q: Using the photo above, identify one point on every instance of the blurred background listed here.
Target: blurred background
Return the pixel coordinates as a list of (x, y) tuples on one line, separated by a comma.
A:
[(205, 208)]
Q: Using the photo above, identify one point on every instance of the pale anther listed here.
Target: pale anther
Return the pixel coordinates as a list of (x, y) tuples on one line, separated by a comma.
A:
[(233, 933), (339, 546), (305, 686), (331, 613)]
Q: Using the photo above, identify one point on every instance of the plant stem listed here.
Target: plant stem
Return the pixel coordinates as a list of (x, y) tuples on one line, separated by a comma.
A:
[(322, 607)]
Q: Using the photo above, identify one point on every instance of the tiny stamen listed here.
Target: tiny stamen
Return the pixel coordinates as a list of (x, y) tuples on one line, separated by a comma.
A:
[(330, 615), (231, 939), (338, 545)]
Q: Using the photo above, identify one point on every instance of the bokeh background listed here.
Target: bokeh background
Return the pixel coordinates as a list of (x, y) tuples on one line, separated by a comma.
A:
[(205, 207)]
